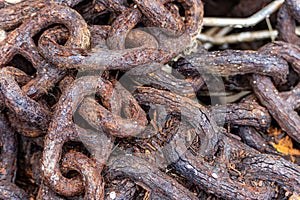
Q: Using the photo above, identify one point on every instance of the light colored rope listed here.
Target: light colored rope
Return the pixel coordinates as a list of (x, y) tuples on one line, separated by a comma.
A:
[(244, 22), (241, 37)]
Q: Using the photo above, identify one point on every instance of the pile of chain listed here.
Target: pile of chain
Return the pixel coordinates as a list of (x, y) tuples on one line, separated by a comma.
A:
[(116, 99)]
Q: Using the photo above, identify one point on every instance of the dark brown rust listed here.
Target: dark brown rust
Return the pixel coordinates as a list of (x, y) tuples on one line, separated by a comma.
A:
[(13, 44), (286, 26), (62, 129), (8, 151), (11, 191), (121, 27), (153, 75), (98, 144), (17, 101), (207, 175), (114, 5), (280, 108), (286, 51), (254, 139), (94, 186), (70, 3), (101, 59), (195, 113), (161, 17), (243, 114), (121, 189), (233, 62), (281, 105), (157, 182), (23, 127), (45, 193), (102, 142), (272, 168), (112, 124), (294, 8), (13, 15)]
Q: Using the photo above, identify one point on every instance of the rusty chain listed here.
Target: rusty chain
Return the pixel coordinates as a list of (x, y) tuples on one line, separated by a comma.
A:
[(106, 99)]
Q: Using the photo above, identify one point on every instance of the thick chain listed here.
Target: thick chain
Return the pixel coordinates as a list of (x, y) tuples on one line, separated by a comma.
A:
[(98, 89)]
